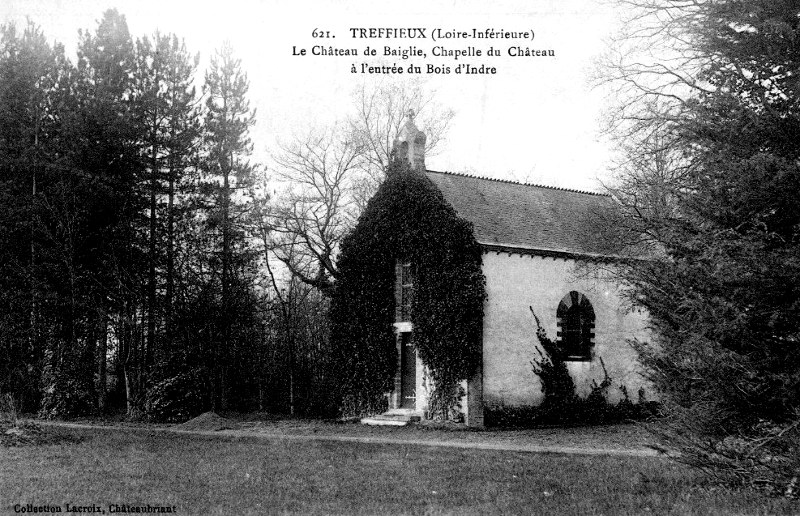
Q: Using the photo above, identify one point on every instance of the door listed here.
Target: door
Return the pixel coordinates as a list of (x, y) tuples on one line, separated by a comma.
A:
[(408, 372)]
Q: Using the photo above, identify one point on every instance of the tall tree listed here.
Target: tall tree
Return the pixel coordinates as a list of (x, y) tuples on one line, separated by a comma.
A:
[(31, 74), (226, 133), (709, 184), (182, 155), (165, 102), (134, 245), (107, 155)]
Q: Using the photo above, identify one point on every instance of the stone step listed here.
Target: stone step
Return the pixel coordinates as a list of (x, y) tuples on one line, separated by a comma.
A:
[(391, 419)]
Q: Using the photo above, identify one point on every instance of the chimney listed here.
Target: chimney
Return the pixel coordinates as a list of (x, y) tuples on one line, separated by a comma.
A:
[(410, 143)]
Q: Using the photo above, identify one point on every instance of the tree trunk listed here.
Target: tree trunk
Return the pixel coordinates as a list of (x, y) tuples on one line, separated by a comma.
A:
[(151, 287), (102, 351), (34, 348), (170, 253), (129, 406), (227, 167)]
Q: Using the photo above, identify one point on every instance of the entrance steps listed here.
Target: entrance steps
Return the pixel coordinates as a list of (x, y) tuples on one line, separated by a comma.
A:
[(393, 417)]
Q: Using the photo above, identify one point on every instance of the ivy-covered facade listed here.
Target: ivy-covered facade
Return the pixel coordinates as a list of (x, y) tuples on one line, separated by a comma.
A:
[(410, 292)]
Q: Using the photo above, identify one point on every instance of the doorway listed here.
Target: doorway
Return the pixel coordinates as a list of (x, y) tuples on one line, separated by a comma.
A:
[(408, 372)]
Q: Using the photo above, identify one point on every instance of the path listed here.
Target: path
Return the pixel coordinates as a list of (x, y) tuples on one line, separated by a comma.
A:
[(446, 443)]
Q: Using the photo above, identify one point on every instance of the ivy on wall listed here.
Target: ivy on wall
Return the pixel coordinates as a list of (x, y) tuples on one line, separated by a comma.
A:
[(408, 220)]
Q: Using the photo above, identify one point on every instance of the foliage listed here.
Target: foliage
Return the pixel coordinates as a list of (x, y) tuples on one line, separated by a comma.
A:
[(8, 409), (296, 366), (710, 186), (558, 388), (65, 392), (15, 431), (228, 118), (766, 456), (180, 397), (380, 112), (123, 249), (165, 98), (407, 220), (300, 368)]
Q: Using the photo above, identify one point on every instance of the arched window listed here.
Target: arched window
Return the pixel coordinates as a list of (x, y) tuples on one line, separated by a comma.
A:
[(575, 326)]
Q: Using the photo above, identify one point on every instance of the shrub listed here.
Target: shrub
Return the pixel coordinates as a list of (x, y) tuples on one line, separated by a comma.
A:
[(8, 409), (765, 456), (65, 396), (179, 397)]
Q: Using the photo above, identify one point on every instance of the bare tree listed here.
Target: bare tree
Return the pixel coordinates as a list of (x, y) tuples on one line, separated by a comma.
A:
[(380, 113), (329, 175), (651, 68), (321, 173), (301, 329)]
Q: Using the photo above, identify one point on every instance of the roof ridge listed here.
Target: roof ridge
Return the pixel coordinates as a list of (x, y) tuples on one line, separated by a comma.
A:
[(510, 181)]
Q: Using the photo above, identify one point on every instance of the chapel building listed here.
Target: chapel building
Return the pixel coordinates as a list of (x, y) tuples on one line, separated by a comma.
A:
[(540, 255)]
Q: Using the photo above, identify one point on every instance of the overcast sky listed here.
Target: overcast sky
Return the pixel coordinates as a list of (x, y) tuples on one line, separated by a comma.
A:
[(535, 120)]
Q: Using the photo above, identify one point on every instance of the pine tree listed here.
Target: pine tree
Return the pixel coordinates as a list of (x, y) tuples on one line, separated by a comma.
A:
[(110, 252), (164, 100), (31, 74), (229, 175)]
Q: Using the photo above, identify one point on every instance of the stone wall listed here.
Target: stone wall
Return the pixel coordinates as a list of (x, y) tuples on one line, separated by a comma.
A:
[(516, 281)]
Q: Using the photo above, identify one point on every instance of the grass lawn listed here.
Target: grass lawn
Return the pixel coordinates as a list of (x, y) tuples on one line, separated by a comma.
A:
[(215, 475)]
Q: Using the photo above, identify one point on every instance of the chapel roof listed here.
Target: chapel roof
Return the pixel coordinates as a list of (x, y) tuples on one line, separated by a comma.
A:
[(519, 216)]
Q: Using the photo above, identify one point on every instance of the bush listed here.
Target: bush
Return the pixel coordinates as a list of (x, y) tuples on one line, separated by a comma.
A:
[(765, 456), (592, 410), (8, 409), (179, 398), (66, 397), (67, 387)]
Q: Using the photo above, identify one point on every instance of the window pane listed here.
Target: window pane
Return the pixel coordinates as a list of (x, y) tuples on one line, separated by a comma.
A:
[(406, 280), (576, 323)]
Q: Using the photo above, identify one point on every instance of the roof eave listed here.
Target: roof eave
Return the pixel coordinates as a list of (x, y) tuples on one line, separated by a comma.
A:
[(549, 253)]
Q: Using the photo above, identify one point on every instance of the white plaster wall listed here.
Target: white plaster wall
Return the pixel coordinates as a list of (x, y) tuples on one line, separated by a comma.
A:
[(423, 388), (513, 283)]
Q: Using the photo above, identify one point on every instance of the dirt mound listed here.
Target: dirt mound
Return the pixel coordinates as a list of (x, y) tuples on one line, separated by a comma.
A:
[(206, 421)]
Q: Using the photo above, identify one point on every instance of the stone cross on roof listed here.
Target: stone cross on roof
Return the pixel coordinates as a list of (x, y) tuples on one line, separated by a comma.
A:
[(410, 143)]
